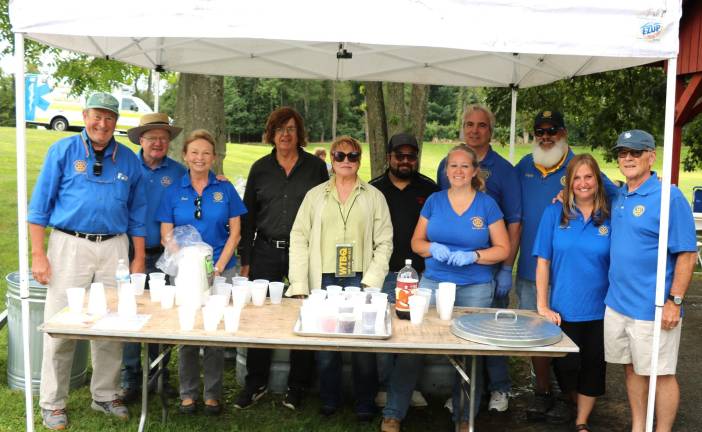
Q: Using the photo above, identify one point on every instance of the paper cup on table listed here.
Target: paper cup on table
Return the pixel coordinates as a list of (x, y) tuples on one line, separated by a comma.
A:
[(97, 303), (258, 294), (155, 288), (276, 292), (352, 289), (218, 301), (416, 304), (239, 280), (377, 298), (346, 323), (75, 299), (186, 317), (239, 294), (309, 318), (449, 288), (167, 296), (231, 318), (445, 306), (223, 289), (138, 281), (426, 293), (334, 291), (211, 318), (369, 316), (219, 280), (157, 276)]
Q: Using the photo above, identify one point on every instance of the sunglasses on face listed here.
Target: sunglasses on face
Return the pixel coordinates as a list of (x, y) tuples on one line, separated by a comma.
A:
[(552, 131), (409, 157), (198, 208), (353, 156), (623, 153)]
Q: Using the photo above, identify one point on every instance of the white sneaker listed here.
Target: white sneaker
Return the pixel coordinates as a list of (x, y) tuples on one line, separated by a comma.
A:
[(381, 398), (418, 399), (449, 405), (499, 401)]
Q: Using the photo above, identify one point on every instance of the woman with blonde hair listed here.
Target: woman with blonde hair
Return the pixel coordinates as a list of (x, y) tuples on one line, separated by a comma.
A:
[(573, 240)]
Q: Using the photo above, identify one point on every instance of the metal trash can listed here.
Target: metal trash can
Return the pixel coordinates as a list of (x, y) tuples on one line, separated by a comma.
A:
[(15, 353)]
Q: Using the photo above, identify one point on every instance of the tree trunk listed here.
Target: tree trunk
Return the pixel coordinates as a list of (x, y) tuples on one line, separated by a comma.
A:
[(200, 105), (395, 111), (377, 126), (417, 118), (334, 111)]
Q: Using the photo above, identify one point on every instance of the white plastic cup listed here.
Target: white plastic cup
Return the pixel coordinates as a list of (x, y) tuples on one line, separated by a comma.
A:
[(346, 323), (258, 294), (75, 299), (211, 318), (352, 289), (426, 293), (445, 309), (218, 301), (155, 288), (369, 316), (239, 294), (327, 321), (157, 276), (417, 304), (138, 280), (97, 303), (231, 318), (378, 298), (219, 280), (334, 290), (239, 280), (276, 292), (186, 317), (223, 289), (167, 296), (309, 318)]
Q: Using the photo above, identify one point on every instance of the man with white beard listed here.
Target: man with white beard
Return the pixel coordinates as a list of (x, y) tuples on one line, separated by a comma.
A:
[(541, 175)]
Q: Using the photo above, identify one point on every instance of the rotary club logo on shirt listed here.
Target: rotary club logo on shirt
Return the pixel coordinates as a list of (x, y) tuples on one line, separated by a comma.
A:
[(638, 210), (478, 222), (80, 166), (603, 230), (217, 196), (563, 181), (484, 174), (166, 181)]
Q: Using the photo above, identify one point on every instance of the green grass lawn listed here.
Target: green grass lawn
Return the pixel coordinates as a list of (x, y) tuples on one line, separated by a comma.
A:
[(267, 415)]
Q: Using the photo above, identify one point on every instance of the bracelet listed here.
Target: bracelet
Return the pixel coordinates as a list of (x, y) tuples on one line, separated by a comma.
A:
[(478, 254), (216, 270)]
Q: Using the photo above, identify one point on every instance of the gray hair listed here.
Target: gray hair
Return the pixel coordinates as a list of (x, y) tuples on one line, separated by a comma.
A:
[(479, 107)]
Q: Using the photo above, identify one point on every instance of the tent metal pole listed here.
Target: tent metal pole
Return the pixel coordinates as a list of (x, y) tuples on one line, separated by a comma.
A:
[(157, 91), (662, 234), (21, 141), (513, 124)]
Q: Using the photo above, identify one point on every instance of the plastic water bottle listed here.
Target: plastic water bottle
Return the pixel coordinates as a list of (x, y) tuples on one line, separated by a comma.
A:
[(122, 274), (407, 284)]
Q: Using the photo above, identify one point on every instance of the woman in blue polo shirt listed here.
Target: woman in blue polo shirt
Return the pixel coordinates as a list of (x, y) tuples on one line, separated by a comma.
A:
[(462, 234), (572, 250), (214, 209)]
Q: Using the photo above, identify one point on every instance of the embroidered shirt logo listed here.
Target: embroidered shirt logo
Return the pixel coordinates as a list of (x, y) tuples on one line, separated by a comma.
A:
[(603, 230), (217, 196), (638, 210), (563, 181), (478, 222), (80, 166), (166, 181)]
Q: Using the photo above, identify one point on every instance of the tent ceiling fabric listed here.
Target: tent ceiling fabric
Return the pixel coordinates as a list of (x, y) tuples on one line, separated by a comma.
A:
[(467, 43)]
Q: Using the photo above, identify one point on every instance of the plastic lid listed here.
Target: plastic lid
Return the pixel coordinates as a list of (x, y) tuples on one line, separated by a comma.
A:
[(408, 262)]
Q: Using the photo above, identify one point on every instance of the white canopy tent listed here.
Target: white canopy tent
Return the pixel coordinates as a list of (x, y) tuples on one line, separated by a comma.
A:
[(517, 43)]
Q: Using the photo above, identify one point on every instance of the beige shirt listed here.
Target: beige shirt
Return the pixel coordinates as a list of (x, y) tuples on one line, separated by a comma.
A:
[(343, 224)]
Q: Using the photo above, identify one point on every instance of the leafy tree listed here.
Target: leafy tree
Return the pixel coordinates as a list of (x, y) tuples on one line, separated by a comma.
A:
[(7, 100)]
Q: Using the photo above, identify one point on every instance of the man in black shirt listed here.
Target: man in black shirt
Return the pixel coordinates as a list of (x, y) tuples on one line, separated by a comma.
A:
[(405, 191), (276, 185)]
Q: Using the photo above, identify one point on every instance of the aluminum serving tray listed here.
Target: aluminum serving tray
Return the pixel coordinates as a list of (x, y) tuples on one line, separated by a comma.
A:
[(297, 329)]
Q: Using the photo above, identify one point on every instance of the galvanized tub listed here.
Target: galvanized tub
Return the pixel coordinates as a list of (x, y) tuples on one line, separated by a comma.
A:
[(507, 329), (15, 353)]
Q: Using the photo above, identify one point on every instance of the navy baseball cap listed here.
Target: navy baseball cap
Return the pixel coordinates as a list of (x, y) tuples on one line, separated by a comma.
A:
[(402, 139), (546, 116), (636, 139)]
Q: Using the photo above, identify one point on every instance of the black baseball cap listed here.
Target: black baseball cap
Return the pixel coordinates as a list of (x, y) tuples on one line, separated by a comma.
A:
[(402, 139), (547, 116)]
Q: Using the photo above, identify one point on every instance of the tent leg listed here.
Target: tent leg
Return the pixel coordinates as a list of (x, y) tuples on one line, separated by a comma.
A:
[(21, 139), (513, 124), (663, 234)]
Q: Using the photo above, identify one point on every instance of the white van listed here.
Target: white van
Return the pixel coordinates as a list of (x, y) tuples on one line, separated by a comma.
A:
[(54, 108)]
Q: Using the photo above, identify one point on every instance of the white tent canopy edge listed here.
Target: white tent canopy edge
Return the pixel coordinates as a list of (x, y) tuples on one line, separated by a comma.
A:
[(466, 43)]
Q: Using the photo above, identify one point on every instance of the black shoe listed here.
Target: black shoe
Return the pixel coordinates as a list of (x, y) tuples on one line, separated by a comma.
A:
[(561, 412), (539, 404), (130, 395), (213, 410), (248, 397), (365, 416), (168, 389), (293, 398), (327, 410), (188, 409)]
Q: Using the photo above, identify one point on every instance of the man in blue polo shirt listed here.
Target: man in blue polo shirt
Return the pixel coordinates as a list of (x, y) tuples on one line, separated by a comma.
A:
[(502, 184), (154, 135), (90, 191), (630, 301)]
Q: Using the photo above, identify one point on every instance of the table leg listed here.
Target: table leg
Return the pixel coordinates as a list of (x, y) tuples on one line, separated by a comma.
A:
[(145, 367), (461, 369), (164, 396), (473, 372)]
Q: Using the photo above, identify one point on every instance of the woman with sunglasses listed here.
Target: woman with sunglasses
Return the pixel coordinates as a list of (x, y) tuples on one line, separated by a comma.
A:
[(343, 214), (214, 208), (573, 240), (462, 235)]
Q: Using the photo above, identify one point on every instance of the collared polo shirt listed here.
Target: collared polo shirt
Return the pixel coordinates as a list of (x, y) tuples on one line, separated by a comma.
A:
[(69, 196), (634, 252), (466, 232), (220, 202), (405, 205), (157, 180), (501, 183), (579, 256)]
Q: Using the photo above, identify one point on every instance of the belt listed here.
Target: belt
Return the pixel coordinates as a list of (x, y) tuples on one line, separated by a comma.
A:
[(97, 238), (153, 250), (278, 244)]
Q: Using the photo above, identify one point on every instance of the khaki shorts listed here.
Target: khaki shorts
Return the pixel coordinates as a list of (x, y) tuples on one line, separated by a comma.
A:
[(629, 341)]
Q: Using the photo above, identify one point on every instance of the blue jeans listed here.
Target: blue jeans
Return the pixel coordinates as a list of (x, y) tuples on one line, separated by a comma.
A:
[(363, 367), (526, 292), (386, 360), (497, 367), (407, 369)]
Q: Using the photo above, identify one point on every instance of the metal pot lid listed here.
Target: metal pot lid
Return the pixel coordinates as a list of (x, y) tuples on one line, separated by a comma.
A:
[(506, 328)]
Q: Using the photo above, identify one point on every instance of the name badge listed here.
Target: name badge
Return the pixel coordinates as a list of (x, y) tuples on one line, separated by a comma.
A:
[(344, 260)]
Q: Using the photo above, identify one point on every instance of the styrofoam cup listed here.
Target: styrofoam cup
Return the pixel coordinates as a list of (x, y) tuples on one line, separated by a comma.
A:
[(417, 304), (426, 293), (219, 280), (186, 317), (155, 288), (97, 303), (231, 318), (167, 296), (138, 281), (258, 294), (211, 318), (75, 299), (156, 276), (276, 292)]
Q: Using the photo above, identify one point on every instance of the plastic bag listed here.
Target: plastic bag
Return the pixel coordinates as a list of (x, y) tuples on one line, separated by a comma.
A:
[(174, 242)]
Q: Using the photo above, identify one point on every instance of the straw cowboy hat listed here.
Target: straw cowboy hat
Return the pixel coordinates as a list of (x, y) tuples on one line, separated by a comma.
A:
[(152, 121)]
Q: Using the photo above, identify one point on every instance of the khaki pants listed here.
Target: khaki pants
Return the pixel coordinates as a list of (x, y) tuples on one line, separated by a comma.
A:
[(77, 262)]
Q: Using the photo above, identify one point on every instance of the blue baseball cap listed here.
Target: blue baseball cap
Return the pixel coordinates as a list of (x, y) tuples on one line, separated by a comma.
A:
[(636, 139)]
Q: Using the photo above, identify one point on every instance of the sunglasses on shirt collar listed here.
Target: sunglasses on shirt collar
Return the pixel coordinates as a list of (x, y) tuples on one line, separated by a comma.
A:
[(353, 156), (198, 208)]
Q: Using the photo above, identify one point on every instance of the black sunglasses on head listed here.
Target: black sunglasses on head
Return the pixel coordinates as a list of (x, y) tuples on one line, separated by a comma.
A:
[(353, 156), (409, 157), (552, 131), (198, 208)]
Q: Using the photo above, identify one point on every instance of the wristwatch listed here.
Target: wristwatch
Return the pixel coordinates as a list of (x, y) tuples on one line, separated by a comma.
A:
[(675, 299)]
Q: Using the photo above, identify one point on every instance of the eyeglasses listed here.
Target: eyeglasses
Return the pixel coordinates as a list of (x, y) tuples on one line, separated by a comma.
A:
[(153, 140), (623, 153), (283, 130), (552, 131), (198, 208), (353, 156), (409, 157)]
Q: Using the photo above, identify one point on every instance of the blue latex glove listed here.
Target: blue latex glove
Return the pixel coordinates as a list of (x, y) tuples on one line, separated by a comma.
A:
[(439, 252), (504, 281), (462, 258)]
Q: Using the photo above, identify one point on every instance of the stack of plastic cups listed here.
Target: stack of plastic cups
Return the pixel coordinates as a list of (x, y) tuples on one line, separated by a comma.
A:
[(156, 283), (380, 301), (445, 298), (426, 293), (223, 289), (417, 305)]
